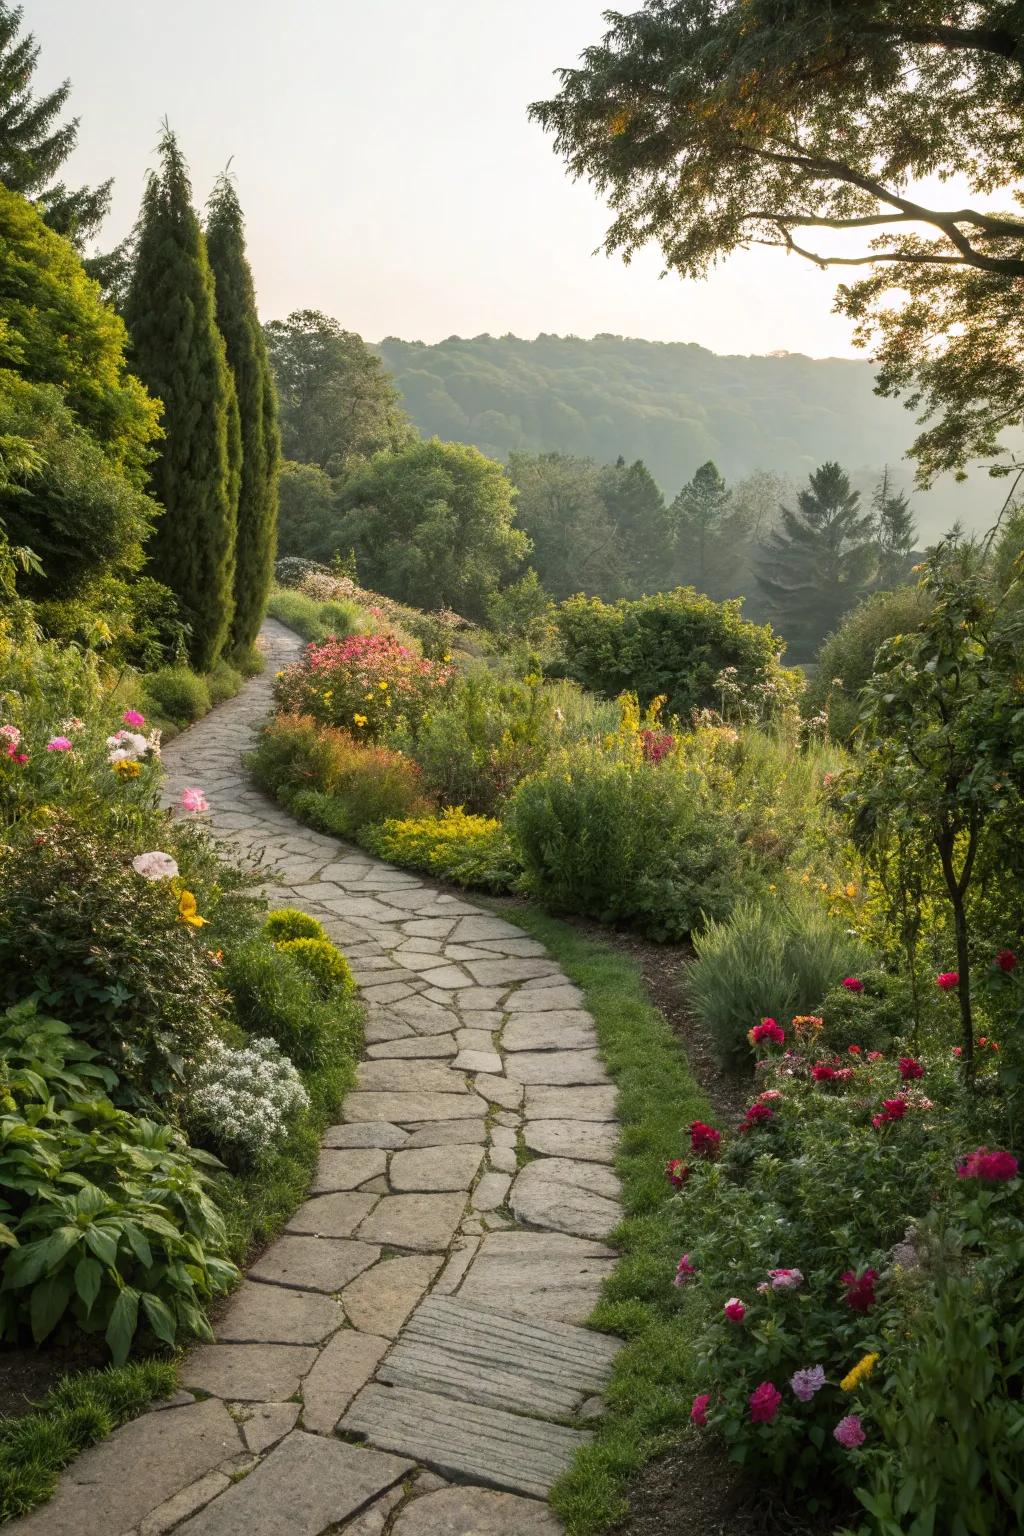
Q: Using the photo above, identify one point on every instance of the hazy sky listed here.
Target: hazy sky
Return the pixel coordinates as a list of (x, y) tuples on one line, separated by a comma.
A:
[(388, 170)]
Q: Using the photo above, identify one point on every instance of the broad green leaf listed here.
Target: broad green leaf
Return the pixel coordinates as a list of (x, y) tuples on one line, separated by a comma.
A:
[(49, 1299), (7, 1237), (124, 1316), (159, 1317), (88, 1278), (102, 1244)]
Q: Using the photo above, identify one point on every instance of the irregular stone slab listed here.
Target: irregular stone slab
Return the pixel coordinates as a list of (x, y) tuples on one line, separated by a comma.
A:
[(264, 1424), (499, 1090), (476, 1512), (427, 1018), (423, 965), (538, 1274), (519, 946), (314, 1263), (571, 1103), (491, 1191), (465, 1439), (479, 999), (429, 1168), (407, 1077), (448, 978), (559, 1068), (544, 999), (406, 1107), (332, 1215), (371, 1134), (492, 973), (567, 1196), (373, 1520), (342, 1369), (348, 1169), (446, 1133), (477, 1061), (380, 1025), (116, 1484), (462, 1255), (382, 1298), (184, 1503), (502, 1158), (430, 927), (560, 1029), (419, 945), (424, 1222), (254, 1373), (417, 1047), (272, 1314), (465, 952), (482, 927), (474, 1039), (505, 1117), (544, 1368), (391, 992), (307, 1484), (503, 1136), (587, 1140)]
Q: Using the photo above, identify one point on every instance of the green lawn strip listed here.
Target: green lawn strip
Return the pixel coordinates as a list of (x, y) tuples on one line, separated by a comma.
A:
[(78, 1411), (652, 1386)]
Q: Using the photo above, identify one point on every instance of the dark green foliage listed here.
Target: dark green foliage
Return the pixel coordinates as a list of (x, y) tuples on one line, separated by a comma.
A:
[(256, 544), (224, 682), (273, 995), (576, 547), (637, 512), (432, 525), (338, 405), (176, 693), (847, 659), (873, 1019), (34, 143), (313, 620), (78, 1411), (815, 566), (895, 533), (674, 644), (711, 536), (308, 512), (179, 353)]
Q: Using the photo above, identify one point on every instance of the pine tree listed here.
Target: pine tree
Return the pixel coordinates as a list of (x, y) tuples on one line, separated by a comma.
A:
[(34, 143), (257, 412), (815, 566), (711, 535), (638, 513), (895, 533), (178, 352)]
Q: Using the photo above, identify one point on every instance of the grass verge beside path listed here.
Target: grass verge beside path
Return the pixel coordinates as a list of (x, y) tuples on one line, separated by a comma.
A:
[(651, 1389), (80, 1410)]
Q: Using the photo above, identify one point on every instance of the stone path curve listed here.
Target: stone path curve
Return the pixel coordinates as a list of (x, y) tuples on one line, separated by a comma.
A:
[(407, 1356)]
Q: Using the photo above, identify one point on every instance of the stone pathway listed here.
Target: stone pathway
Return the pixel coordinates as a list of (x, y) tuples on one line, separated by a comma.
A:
[(407, 1356)]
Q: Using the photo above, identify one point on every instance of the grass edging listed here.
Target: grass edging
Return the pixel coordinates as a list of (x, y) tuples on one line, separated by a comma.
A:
[(80, 1410), (649, 1396)]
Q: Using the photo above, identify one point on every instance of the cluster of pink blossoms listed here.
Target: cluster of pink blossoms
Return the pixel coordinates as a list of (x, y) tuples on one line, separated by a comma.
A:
[(990, 1167)]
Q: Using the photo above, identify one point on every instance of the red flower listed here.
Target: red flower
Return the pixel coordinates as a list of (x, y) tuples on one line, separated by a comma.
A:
[(958, 1050), (734, 1310), (757, 1114), (768, 1029), (823, 1073), (854, 1050), (860, 1289), (704, 1139), (852, 984), (947, 980), (699, 1411), (677, 1172), (764, 1403), (991, 1167), (895, 1109), (685, 1270), (1006, 960), (910, 1069)]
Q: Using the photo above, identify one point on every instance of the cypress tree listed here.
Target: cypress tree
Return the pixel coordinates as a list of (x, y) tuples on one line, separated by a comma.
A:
[(178, 352), (257, 412)]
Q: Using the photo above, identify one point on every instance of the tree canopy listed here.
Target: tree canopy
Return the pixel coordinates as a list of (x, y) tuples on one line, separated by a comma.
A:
[(711, 534), (338, 406), (713, 126)]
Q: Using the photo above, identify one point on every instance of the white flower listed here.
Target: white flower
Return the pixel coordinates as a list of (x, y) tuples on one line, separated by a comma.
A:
[(155, 866), (243, 1098)]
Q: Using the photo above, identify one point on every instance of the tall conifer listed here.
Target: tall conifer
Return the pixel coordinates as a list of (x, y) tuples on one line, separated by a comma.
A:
[(257, 407), (178, 352)]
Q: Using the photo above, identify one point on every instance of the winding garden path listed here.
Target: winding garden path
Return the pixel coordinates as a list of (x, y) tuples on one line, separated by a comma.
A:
[(407, 1356)]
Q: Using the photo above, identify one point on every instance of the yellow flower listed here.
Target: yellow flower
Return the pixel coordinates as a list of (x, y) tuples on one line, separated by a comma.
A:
[(851, 890), (328, 696), (861, 1371), (127, 768), (368, 697), (360, 720), (383, 683), (187, 911)]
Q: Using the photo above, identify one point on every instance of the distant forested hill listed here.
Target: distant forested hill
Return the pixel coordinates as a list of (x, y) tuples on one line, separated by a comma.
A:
[(674, 405)]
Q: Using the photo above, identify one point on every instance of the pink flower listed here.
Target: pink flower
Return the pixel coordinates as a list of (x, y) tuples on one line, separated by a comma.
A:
[(677, 1172), (764, 1403), (684, 1270), (910, 1069), (10, 734), (990, 1167), (734, 1310), (1006, 960), (155, 866), (769, 1095), (947, 981), (699, 1411), (852, 984), (704, 1139), (132, 717), (785, 1279), (860, 1289), (806, 1383), (59, 744), (876, 1055), (849, 1432), (958, 1050), (194, 801), (19, 757), (769, 1030)]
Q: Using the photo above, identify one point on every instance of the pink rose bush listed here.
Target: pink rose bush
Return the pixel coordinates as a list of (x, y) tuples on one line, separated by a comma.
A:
[(364, 684)]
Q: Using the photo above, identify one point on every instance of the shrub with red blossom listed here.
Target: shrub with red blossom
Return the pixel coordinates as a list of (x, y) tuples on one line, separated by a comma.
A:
[(361, 683), (768, 1032), (990, 1167), (910, 1069), (860, 1289), (764, 1403), (947, 981), (704, 1139), (656, 745)]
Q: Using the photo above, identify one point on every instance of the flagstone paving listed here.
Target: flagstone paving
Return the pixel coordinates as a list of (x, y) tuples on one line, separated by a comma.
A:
[(407, 1356)]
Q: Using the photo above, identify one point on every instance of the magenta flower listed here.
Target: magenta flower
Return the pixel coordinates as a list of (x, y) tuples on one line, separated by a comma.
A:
[(194, 801), (1006, 960), (734, 1310), (990, 1167), (699, 1411), (785, 1279), (852, 984), (806, 1383), (132, 717), (684, 1270), (849, 1432), (59, 744), (948, 981), (910, 1069), (764, 1403)]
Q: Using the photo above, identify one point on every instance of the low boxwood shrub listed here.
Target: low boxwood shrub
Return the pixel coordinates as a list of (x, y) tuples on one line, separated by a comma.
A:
[(474, 851), (873, 1017), (289, 923), (224, 682), (177, 694), (273, 995), (772, 959), (322, 962)]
